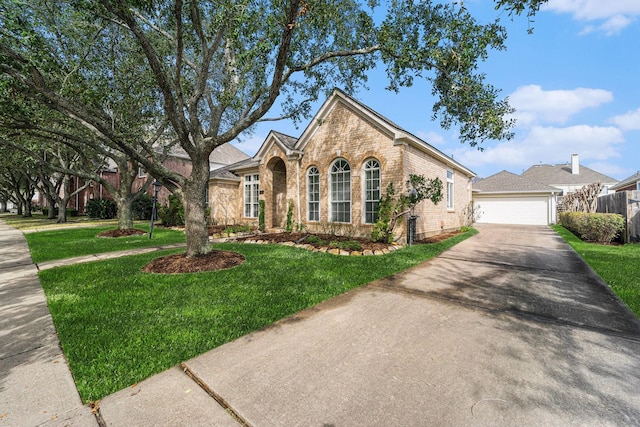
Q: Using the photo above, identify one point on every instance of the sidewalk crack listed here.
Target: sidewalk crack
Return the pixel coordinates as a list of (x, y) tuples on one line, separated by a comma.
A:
[(221, 401)]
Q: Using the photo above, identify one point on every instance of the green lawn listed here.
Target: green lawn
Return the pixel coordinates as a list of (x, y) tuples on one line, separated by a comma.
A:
[(39, 221), (118, 325), (619, 266), (66, 243)]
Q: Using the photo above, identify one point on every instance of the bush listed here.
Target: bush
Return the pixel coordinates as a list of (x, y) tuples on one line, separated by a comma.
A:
[(593, 227), (261, 223), (173, 214), (101, 209), (315, 240), (142, 207)]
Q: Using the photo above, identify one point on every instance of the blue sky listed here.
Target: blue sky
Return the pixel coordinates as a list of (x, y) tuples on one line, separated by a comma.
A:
[(575, 83)]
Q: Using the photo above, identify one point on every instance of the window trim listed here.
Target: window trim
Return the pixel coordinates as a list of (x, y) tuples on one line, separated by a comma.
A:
[(365, 190), (450, 190), (348, 201), (251, 204), (316, 202)]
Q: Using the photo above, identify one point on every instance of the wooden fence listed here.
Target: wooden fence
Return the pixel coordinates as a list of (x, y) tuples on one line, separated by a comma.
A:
[(627, 204)]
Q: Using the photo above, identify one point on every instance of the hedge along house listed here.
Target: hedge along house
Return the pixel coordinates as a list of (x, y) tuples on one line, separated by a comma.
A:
[(331, 179)]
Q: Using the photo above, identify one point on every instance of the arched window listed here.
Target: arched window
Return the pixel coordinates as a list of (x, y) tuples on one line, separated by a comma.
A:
[(371, 191), (340, 191), (313, 194)]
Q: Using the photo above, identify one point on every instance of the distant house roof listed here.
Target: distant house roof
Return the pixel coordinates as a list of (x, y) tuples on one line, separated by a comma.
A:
[(507, 182), (561, 175), (228, 172), (227, 154), (627, 181)]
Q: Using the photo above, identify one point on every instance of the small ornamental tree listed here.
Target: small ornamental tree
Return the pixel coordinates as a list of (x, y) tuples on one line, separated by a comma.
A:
[(392, 207)]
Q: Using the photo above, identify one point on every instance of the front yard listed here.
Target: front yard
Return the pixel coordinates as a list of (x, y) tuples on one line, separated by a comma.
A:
[(118, 325)]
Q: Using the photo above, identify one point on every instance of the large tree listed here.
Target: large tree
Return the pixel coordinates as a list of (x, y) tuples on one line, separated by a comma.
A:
[(63, 149), (211, 70)]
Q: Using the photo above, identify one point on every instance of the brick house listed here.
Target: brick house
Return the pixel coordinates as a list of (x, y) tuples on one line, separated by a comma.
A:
[(177, 160), (335, 173)]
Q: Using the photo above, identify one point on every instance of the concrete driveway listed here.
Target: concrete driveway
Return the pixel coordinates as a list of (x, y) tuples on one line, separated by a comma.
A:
[(507, 328)]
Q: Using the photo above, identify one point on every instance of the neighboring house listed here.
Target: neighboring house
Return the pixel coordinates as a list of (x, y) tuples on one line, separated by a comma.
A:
[(332, 178), (507, 198), (631, 183), (177, 160), (532, 198), (568, 177)]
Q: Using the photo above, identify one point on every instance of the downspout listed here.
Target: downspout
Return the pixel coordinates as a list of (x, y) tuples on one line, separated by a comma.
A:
[(298, 187)]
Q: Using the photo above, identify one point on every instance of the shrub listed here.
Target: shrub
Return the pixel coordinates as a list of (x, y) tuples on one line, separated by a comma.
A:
[(100, 209), (289, 224), (315, 240), (173, 214), (593, 227), (261, 223), (142, 207)]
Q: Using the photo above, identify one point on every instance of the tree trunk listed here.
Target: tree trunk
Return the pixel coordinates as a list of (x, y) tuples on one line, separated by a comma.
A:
[(125, 211), (62, 213), (19, 208), (52, 207), (27, 209), (193, 199)]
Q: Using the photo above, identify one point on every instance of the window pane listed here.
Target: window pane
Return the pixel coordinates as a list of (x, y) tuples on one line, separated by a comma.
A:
[(372, 191), (341, 191), (313, 194)]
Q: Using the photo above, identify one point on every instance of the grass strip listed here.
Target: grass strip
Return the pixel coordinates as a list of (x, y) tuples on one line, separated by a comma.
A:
[(68, 243), (39, 221), (618, 266), (118, 325)]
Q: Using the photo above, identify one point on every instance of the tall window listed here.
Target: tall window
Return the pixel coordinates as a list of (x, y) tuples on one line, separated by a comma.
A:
[(251, 191), (371, 191), (341, 191), (449, 189), (313, 194)]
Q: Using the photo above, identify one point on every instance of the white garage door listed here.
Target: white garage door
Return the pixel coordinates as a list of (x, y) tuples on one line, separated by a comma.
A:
[(513, 210)]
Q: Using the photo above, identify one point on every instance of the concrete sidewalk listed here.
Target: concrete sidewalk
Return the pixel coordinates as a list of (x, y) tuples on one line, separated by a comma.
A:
[(36, 386)]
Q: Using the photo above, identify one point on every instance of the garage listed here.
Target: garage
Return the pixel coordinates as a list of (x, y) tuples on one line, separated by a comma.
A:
[(531, 210), (506, 198)]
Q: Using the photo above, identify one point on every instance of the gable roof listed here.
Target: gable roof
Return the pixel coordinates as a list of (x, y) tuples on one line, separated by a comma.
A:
[(285, 142), (507, 182), (627, 181), (561, 175), (395, 132)]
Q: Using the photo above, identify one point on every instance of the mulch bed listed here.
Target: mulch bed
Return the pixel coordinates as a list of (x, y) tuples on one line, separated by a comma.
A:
[(179, 263), (301, 238), (121, 233), (218, 260)]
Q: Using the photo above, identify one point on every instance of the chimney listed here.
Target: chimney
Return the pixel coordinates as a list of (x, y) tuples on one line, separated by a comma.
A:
[(575, 164)]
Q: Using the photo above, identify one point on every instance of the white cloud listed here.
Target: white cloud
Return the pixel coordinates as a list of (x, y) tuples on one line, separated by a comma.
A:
[(431, 137), (535, 105), (628, 121), (549, 145), (616, 14)]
